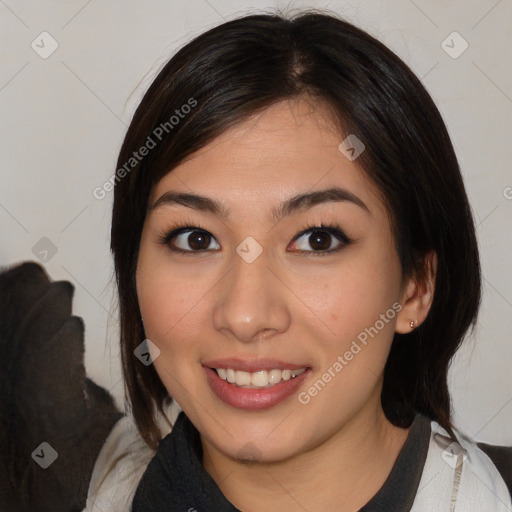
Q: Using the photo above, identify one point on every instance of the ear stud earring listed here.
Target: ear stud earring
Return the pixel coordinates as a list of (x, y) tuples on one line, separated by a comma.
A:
[(412, 324)]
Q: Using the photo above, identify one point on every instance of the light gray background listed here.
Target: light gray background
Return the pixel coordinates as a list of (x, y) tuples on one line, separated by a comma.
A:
[(63, 119)]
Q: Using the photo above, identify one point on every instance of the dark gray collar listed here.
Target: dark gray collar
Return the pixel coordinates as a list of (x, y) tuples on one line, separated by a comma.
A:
[(175, 479), (399, 490)]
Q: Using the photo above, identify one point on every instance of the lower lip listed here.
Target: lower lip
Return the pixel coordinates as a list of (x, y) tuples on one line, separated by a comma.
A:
[(253, 399)]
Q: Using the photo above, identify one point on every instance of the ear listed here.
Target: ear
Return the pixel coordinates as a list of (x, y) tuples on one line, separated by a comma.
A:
[(417, 297)]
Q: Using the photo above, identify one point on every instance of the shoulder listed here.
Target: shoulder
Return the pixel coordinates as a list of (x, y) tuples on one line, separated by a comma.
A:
[(461, 473), (501, 457), (121, 464), (496, 459)]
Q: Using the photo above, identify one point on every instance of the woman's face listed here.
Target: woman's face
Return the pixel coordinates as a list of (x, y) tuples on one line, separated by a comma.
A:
[(253, 301)]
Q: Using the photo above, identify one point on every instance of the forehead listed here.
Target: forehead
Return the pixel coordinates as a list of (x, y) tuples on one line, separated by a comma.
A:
[(287, 149)]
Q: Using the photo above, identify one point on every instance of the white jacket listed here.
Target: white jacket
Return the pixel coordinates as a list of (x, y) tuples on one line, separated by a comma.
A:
[(456, 477)]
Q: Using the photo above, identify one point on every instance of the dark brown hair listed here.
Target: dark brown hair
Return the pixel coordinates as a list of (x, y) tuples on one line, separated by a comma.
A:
[(245, 65)]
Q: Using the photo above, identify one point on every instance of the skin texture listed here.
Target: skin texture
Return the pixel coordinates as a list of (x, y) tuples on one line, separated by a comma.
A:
[(291, 304)]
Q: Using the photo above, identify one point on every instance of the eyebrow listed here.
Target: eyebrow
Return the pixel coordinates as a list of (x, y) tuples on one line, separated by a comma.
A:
[(295, 204)]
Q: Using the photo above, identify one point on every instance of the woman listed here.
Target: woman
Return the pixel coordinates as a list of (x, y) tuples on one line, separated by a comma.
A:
[(297, 265)]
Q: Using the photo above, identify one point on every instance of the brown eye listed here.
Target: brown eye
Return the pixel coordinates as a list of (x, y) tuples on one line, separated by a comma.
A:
[(198, 240), (190, 240), (321, 240)]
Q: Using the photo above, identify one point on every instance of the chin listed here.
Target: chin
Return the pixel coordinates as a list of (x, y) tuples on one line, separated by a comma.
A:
[(271, 440)]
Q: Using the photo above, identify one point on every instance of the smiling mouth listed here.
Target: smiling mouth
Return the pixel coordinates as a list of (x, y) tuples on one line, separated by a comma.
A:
[(261, 379)]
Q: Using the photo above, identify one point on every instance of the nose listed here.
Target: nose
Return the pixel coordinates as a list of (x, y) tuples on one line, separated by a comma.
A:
[(251, 303)]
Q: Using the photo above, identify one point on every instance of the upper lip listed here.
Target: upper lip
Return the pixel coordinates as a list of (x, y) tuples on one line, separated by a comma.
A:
[(252, 365)]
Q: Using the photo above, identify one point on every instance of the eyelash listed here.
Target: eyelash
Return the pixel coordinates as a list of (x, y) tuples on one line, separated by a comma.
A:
[(165, 236)]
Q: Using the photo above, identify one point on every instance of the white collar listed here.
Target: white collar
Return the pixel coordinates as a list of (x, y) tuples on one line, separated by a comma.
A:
[(459, 477)]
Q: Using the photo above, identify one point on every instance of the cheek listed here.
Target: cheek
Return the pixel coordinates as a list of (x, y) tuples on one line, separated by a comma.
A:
[(175, 304), (355, 304), (171, 308), (164, 297), (352, 296)]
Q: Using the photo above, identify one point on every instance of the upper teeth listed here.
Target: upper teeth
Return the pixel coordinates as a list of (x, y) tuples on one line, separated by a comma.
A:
[(260, 379)]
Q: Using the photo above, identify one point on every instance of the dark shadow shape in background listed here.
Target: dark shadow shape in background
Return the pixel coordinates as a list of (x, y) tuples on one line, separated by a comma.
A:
[(45, 396)]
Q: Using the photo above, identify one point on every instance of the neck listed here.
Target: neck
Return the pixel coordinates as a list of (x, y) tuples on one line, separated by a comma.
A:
[(341, 473)]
